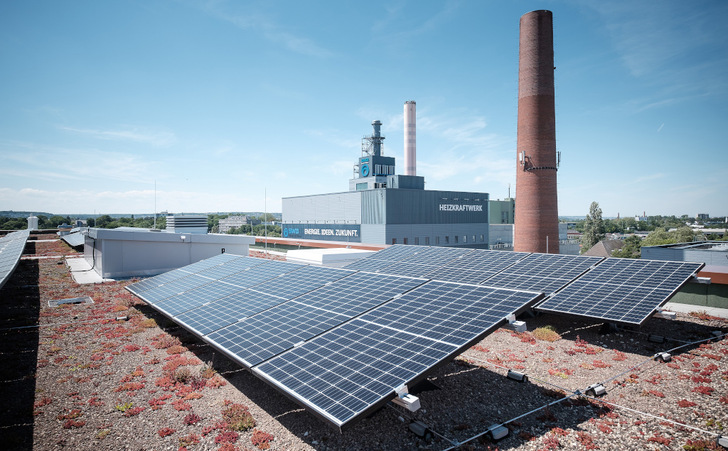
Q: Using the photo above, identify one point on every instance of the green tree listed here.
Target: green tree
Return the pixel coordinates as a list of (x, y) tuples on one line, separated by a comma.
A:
[(593, 228), (103, 221), (631, 248)]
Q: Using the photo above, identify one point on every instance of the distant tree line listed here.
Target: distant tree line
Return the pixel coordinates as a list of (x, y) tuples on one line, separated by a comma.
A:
[(662, 230)]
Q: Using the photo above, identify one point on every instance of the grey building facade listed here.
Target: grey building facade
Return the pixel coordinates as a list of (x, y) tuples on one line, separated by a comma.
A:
[(382, 207), (390, 216)]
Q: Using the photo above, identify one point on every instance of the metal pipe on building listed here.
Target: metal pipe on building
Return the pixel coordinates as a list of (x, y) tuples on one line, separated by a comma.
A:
[(410, 138), (536, 215)]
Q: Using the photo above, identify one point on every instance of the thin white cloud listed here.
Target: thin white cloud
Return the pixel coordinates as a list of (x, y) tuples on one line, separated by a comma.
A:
[(244, 17), (157, 138), (50, 163), (673, 45)]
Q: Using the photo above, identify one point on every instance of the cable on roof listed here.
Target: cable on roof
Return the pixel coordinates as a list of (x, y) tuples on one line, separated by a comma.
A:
[(669, 420), (577, 393), (567, 390), (670, 351), (413, 418)]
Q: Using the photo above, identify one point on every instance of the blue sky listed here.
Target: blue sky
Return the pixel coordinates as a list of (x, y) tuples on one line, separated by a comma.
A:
[(223, 102)]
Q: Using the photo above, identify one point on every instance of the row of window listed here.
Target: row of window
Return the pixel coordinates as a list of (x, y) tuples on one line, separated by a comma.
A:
[(456, 240)]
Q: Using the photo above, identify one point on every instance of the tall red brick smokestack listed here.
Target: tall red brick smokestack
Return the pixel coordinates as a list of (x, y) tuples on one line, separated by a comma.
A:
[(537, 218)]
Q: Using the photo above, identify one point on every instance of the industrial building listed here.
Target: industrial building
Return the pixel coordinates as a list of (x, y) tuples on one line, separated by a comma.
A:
[(382, 207)]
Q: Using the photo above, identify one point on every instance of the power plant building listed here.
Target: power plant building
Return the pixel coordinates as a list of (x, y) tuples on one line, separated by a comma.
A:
[(382, 207)]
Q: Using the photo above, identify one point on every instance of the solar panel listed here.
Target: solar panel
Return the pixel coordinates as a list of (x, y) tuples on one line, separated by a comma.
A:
[(622, 290), (546, 273), (405, 269), (147, 284), (187, 300), (230, 267), (340, 341), (219, 261), (260, 273), (436, 256), (225, 311), (348, 371), (475, 266), (173, 288), (391, 254), (450, 312), (302, 280), (356, 367), (261, 336), (11, 249)]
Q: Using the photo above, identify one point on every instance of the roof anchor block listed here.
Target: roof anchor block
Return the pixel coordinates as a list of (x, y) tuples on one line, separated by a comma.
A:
[(595, 390), (518, 326), (404, 399)]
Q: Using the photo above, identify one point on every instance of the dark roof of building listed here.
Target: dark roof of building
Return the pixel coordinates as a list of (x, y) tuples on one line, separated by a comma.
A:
[(605, 248)]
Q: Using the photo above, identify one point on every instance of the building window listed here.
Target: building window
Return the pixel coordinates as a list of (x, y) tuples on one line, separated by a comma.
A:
[(447, 239), (456, 239), (427, 240), (417, 240), (404, 240), (482, 238), (394, 240), (473, 238), (437, 240), (465, 238)]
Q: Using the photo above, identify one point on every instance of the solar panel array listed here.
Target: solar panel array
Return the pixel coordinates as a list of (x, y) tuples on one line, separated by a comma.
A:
[(622, 290), (264, 313), (341, 341), (344, 374), (11, 248)]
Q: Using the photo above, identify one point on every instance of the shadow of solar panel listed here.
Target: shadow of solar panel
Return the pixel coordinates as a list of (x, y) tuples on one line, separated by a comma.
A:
[(352, 369), (622, 290), (272, 331), (546, 273), (225, 311)]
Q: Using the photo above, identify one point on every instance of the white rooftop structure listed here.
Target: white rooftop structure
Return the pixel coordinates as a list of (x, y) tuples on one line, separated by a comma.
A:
[(129, 252)]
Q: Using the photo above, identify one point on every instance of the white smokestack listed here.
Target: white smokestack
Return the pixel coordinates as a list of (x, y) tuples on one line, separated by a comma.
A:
[(410, 138)]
